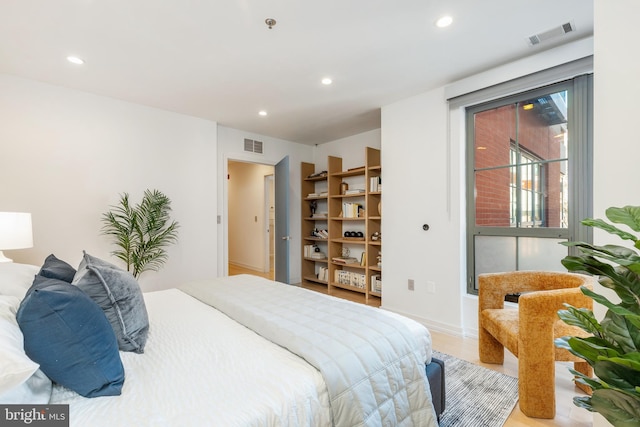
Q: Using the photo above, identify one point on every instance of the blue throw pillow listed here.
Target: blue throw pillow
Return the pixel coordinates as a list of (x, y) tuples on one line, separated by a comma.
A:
[(118, 294), (69, 336), (55, 268)]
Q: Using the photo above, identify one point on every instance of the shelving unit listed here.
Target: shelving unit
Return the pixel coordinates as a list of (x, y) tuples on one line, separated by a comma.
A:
[(311, 185), (367, 222)]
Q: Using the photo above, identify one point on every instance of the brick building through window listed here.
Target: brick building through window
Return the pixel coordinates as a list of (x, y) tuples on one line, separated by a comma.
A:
[(520, 164)]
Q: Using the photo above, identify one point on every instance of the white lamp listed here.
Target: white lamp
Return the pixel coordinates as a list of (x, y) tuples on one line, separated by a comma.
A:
[(15, 232)]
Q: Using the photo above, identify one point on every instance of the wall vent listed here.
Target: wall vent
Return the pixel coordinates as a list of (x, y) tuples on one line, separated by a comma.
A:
[(253, 146), (551, 34)]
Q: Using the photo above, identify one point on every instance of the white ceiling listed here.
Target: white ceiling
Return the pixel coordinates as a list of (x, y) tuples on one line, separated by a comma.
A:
[(216, 59)]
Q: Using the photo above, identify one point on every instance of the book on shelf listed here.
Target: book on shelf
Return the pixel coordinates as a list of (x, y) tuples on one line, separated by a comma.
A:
[(352, 210), (319, 215), (375, 184), (354, 191), (317, 195), (350, 278), (323, 274), (345, 260), (312, 251), (376, 283), (318, 255)]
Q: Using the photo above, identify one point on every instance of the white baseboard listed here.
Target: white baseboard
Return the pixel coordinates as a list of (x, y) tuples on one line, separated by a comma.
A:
[(432, 325)]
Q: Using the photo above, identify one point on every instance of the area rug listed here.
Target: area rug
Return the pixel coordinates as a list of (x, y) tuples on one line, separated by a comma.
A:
[(476, 396)]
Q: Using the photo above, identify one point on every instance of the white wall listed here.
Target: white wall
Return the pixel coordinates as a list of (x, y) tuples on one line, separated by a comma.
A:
[(616, 87), (417, 176), (423, 169), (351, 149), (231, 147), (247, 216), (67, 155)]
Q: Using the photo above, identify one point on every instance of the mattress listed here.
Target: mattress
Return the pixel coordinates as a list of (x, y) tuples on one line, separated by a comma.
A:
[(372, 364), (202, 368)]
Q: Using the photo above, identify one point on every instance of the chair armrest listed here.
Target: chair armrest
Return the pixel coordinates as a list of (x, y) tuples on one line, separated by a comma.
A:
[(540, 308)]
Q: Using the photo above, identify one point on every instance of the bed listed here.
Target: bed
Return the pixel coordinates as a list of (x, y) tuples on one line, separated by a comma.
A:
[(240, 351)]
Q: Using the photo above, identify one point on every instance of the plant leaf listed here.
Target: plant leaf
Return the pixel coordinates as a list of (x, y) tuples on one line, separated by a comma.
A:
[(583, 318), (624, 282), (583, 402), (617, 376), (590, 349), (627, 215), (619, 408), (611, 229), (618, 254), (625, 334)]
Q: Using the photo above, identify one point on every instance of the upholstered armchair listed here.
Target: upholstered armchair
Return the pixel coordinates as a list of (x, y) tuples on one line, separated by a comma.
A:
[(529, 331)]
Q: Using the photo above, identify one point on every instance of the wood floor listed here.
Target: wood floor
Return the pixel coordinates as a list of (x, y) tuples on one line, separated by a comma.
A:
[(567, 414), (234, 270)]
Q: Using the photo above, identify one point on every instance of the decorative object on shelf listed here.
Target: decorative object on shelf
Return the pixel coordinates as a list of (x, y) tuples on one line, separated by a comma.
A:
[(354, 235), (379, 258), (376, 236), (343, 188), (346, 252), (320, 234), (141, 232), (313, 205), (380, 208), (318, 174), (15, 232), (612, 350)]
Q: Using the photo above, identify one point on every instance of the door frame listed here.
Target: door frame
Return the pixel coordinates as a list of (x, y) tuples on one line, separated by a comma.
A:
[(222, 219), (268, 185)]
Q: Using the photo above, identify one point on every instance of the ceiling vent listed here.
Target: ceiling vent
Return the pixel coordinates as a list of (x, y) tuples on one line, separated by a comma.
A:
[(551, 34), (252, 146)]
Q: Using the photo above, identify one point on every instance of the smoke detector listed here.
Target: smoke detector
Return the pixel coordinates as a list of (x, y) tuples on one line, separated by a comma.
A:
[(553, 33)]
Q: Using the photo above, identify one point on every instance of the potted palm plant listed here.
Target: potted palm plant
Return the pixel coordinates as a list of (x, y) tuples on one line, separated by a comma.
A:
[(141, 232), (613, 349)]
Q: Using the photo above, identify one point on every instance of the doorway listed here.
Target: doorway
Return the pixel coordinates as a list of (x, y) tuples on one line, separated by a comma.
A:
[(251, 212)]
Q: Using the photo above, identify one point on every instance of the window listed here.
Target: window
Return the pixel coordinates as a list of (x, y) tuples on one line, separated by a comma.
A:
[(527, 155)]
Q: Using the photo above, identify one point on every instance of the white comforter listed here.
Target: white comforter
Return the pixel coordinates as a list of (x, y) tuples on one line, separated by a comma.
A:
[(373, 367), (201, 368)]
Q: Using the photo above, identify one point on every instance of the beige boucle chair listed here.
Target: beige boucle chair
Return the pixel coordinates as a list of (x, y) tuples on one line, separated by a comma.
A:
[(529, 331)]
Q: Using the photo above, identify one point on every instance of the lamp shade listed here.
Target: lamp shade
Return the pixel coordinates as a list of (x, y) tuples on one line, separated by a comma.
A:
[(15, 231)]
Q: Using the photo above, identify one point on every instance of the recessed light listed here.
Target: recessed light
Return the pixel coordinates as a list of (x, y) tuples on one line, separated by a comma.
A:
[(327, 81), (481, 148), (75, 60), (262, 113), (444, 21)]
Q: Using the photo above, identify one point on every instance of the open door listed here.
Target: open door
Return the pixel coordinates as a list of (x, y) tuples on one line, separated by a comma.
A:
[(282, 237)]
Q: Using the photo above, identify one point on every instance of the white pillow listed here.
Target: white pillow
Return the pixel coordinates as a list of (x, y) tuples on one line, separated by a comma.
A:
[(20, 379), (16, 279)]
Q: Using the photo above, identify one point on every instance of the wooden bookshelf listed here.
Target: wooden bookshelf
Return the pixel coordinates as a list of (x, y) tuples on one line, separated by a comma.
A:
[(368, 221), (313, 185)]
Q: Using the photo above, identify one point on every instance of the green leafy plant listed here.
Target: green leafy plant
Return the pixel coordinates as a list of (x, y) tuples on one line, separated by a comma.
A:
[(613, 349), (141, 232)]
